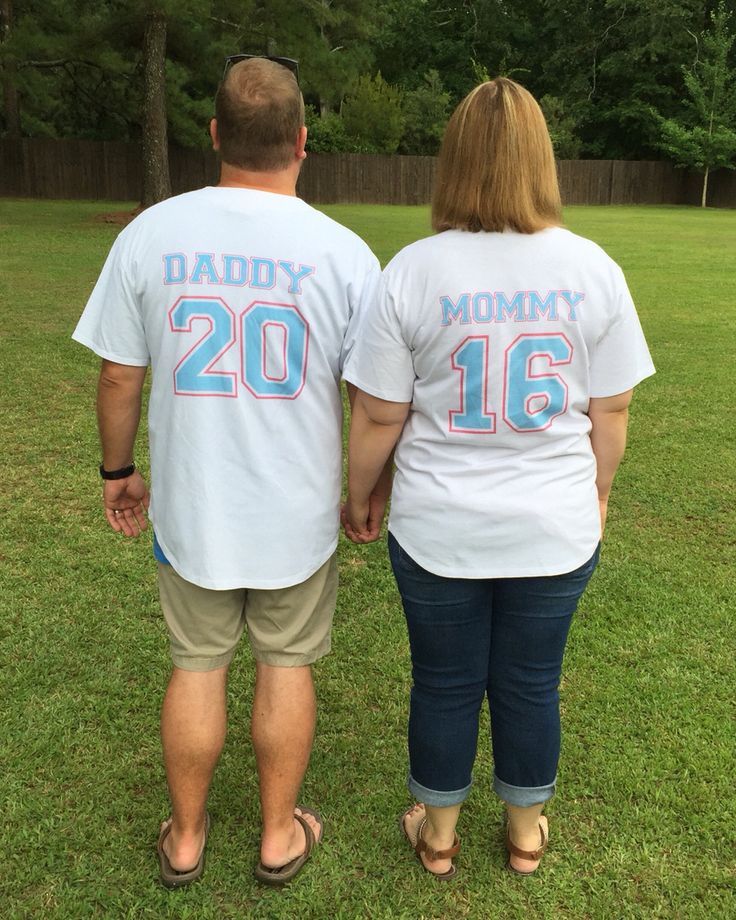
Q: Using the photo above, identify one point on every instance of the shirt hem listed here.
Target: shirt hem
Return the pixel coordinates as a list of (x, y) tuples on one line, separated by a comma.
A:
[(243, 581), (376, 391), (108, 355), (605, 392), (531, 571)]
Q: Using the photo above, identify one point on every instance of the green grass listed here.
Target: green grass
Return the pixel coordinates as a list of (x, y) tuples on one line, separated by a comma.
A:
[(644, 825)]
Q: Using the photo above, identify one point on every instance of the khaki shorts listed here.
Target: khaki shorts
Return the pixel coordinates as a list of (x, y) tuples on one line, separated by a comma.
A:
[(287, 627)]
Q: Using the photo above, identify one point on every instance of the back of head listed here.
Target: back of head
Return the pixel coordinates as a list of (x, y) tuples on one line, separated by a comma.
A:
[(259, 111), (496, 168)]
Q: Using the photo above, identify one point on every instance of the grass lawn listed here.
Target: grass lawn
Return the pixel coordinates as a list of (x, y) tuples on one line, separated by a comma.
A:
[(644, 824)]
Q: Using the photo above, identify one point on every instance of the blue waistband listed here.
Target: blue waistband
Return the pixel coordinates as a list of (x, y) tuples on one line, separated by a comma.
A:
[(158, 552)]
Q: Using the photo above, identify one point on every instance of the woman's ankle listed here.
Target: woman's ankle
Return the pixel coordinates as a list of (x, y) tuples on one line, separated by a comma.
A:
[(438, 839)]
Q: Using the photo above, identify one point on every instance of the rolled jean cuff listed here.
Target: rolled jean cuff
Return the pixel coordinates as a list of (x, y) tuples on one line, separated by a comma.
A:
[(523, 796), (435, 798)]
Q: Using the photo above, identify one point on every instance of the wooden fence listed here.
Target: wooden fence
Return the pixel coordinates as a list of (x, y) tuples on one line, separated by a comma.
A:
[(111, 170)]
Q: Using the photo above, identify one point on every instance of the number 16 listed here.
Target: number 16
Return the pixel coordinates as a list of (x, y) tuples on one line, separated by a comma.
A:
[(531, 401)]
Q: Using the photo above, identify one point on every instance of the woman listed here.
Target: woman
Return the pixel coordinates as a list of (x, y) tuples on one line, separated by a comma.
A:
[(501, 356)]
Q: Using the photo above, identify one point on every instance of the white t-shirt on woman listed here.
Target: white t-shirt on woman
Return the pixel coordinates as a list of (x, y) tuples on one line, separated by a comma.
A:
[(499, 340)]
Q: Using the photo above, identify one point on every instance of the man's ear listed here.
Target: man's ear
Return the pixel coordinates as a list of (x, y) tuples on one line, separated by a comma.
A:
[(301, 141), (214, 134)]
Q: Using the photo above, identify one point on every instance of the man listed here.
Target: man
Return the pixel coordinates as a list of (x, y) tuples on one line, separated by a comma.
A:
[(244, 301)]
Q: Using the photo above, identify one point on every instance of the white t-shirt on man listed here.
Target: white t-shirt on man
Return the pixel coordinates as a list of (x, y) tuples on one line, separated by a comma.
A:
[(245, 303), (498, 340)]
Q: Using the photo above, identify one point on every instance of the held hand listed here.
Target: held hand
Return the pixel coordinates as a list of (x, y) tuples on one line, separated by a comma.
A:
[(354, 519), (376, 510), (362, 520), (126, 502), (603, 508)]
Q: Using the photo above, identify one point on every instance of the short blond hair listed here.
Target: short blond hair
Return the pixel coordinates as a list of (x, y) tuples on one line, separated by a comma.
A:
[(259, 111), (496, 168)]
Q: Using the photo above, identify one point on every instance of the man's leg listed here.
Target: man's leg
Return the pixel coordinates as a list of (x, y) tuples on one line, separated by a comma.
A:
[(283, 722), (193, 726), (289, 629)]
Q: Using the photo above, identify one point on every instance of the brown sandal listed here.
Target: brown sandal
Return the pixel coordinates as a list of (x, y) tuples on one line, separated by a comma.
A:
[(174, 878), (420, 845), (526, 854), (282, 875)]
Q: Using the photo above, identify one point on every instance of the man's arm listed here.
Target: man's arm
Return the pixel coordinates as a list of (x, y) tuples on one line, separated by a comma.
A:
[(119, 392), (375, 428), (609, 417)]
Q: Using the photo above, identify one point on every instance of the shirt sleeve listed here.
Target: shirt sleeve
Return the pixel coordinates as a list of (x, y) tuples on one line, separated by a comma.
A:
[(620, 358), (111, 324), (361, 302), (381, 362)]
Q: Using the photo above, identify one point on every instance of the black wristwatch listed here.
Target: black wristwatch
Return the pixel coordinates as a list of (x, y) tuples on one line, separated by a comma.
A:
[(122, 473)]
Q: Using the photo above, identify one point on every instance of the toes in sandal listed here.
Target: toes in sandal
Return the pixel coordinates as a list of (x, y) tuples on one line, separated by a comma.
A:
[(420, 845), (526, 854)]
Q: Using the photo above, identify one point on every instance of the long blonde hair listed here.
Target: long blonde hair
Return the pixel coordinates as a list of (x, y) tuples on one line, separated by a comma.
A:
[(496, 168)]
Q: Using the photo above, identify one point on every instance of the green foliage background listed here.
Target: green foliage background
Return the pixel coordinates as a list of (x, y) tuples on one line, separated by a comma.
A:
[(706, 138), (609, 69)]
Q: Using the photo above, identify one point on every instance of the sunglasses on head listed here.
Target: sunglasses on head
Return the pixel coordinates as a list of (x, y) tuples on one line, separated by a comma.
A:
[(288, 63)]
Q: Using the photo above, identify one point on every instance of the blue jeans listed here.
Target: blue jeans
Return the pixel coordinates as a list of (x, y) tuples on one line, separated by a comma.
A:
[(504, 637)]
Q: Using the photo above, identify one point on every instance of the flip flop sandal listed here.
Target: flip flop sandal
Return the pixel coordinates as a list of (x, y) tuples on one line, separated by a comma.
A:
[(281, 875), (526, 854), (420, 845), (171, 877)]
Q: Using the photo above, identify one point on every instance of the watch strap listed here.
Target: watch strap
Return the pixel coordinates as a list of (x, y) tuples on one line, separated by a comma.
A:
[(122, 473)]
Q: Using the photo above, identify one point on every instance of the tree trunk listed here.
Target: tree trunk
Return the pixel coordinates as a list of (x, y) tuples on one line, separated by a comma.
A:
[(705, 187), (11, 105), (156, 181)]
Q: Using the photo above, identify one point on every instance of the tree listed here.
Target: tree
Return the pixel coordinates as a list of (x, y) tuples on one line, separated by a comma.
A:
[(609, 63), (174, 37), (425, 110), (174, 73), (705, 138), (331, 38), (11, 106), (372, 115), (326, 133), (344, 31), (561, 127), (75, 74), (156, 181)]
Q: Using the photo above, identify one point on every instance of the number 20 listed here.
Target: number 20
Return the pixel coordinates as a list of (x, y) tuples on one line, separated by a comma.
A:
[(269, 333), (521, 386)]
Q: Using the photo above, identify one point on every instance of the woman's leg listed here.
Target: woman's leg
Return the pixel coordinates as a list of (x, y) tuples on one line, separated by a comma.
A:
[(438, 831), (528, 830), (449, 624), (531, 619)]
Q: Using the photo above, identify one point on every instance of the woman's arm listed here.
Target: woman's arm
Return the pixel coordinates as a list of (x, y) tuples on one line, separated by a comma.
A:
[(609, 417), (374, 430)]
